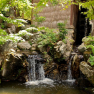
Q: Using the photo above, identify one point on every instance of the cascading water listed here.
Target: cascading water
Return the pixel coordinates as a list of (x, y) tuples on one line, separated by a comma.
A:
[(41, 71), (70, 79), (31, 68), (36, 71), (69, 72)]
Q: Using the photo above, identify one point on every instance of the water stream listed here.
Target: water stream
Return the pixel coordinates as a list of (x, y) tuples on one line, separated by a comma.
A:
[(38, 84), (70, 79), (36, 72), (21, 88)]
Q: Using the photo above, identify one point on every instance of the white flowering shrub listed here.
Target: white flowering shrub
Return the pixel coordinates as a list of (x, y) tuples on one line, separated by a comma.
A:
[(24, 34), (32, 29)]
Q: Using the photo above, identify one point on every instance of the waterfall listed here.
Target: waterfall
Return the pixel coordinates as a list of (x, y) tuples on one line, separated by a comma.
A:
[(36, 72), (35, 62), (70, 79), (69, 71), (41, 71)]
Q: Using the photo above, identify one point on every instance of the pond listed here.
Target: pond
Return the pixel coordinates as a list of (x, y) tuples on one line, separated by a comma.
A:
[(52, 88)]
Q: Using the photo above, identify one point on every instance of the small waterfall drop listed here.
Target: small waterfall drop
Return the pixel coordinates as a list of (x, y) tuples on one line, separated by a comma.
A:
[(69, 72), (41, 71), (70, 79), (31, 69), (36, 72)]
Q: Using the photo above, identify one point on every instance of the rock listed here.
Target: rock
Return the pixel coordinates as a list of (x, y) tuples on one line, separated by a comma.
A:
[(86, 55), (90, 90), (60, 47), (9, 31), (88, 71), (41, 48), (34, 53), (67, 54), (7, 46), (24, 45), (33, 49), (75, 65), (34, 45), (8, 25), (59, 43), (82, 48), (13, 28), (14, 66)]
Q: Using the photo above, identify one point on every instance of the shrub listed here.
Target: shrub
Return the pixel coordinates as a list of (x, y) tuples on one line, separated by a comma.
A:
[(89, 42), (47, 37), (32, 29), (11, 37), (62, 30), (91, 60), (2, 32)]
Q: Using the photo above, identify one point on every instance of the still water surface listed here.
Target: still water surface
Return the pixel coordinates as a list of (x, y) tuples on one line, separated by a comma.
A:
[(55, 88)]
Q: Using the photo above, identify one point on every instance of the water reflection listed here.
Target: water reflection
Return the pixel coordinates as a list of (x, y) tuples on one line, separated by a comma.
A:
[(21, 88)]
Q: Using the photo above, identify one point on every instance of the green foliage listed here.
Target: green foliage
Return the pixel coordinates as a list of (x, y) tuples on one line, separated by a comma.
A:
[(2, 32), (11, 37), (91, 60), (89, 42), (24, 34), (62, 30), (18, 22), (48, 37), (2, 26), (88, 4), (39, 19), (54, 2), (32, 29)]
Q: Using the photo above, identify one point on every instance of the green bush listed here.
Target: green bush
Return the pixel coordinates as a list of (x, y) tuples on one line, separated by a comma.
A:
[(32, 29), (11, 37), (2, 32), (62, 30), (39, 19), (47, 37), (89, 42), (91, 60)]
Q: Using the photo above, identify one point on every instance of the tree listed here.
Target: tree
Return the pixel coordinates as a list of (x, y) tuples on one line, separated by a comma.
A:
[(88, 4)]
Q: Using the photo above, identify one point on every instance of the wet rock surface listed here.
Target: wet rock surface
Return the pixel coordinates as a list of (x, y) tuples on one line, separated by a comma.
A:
[(88, 71), (14, 67)]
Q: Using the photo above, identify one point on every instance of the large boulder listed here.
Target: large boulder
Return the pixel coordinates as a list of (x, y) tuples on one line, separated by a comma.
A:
[(24, 45), (88, 71), (76, 59), (81, 48), (7, 46), (14, 66), (60, 49)]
